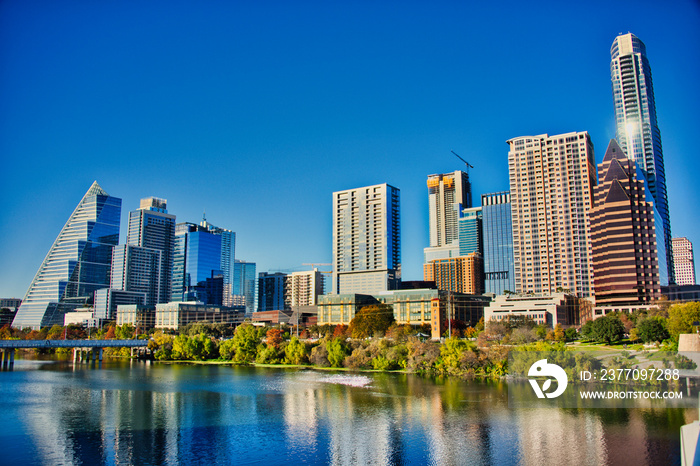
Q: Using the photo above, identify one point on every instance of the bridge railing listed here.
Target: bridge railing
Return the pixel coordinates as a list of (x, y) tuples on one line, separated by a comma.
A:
[(48, 344)]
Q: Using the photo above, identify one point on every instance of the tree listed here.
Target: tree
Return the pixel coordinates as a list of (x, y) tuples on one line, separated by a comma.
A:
[(245, 344), (274, 337), (559, 334), (681, 318), (652, 329), (369, 320), (608, 329), (296, 352), (336, 352)]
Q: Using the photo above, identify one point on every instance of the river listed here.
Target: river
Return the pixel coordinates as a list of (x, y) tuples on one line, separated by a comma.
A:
[(128, 412)]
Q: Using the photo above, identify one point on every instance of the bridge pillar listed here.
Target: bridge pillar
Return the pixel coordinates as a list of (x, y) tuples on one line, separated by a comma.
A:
[(75, 355), (94, 354), (100, 351), (5, 358), (12, 357)]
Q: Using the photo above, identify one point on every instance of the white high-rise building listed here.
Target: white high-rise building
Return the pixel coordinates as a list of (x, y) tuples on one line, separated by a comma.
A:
[(551, 188), (684, 261), (302, 288), (638, 134), (366, 240)]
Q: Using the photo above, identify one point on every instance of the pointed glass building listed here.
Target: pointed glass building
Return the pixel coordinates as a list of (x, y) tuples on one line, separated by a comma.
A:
[(77, 264), (637, 131)]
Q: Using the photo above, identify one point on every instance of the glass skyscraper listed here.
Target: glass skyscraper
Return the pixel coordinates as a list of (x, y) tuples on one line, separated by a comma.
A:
[(497, 229), (244, 285), (637, 131), (151, 226), (77, 264), (202, 259)]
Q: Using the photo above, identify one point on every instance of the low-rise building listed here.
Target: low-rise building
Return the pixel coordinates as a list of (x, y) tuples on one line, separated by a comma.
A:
[(138, 315), (415, 307), (175, 315), (557, 308)]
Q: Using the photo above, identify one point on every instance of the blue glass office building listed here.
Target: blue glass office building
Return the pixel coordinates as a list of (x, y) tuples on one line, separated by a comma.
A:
[(197, 265), (497, 230), (78, 263)]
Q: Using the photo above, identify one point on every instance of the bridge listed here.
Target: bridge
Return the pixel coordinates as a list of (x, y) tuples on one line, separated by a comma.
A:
[(8, 347)]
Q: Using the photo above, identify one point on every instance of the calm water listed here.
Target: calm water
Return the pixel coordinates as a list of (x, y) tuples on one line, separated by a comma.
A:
[(142, 413)]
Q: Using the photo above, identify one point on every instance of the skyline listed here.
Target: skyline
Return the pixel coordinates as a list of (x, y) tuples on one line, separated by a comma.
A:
[(256, 115)]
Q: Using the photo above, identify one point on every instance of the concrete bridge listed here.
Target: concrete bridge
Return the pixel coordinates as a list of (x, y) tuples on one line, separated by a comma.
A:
[(80, 347)]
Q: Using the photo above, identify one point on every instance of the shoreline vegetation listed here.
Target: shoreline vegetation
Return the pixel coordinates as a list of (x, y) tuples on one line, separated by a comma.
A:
[(374, 343)]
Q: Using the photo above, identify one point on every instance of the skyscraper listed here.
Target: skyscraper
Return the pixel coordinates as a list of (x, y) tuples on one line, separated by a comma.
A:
[(623, 237), (303, 288), (366, 240), (244, 285), (271, 291), (551, 188), (203, 257), (497, 228), (77, 264), (448, 195), (151, 226), (684, 261), (637, 130)]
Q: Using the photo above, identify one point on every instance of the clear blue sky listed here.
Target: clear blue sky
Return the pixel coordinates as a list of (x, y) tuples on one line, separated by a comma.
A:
[(258, 111)]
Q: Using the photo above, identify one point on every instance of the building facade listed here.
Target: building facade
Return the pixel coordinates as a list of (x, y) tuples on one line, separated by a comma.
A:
[(271, 291), (303, 288), (175, 315), (637, 131), (244, 285), (551, 191), (683, 261), (463, 274), (414, 307), (550, 310), (137, 269), (77, 264), (152, 227), (623, 235), (497, 233), (202, 267), (366, 240)]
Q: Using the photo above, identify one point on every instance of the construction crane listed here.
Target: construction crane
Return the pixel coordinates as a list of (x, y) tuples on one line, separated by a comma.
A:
[(315, 264), (465, 162)]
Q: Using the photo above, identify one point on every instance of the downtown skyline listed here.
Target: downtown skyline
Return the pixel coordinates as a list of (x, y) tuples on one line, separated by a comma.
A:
[(257, 116)]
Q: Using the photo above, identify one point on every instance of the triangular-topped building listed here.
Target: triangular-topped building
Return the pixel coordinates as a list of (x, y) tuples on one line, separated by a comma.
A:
[(77, 264), (623, 236)]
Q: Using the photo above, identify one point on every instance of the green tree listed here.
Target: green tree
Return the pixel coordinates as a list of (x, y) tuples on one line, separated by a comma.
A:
[(681, 318), (226, 349), (370, 320), (296, 352), (336, 352), (161, 345), (608, 329), (245, 344), (652, 329)]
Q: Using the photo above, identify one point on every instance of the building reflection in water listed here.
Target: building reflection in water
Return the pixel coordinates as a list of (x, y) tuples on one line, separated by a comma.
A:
[(158, 414)]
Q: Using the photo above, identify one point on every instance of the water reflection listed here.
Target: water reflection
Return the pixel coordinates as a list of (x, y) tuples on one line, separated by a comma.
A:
[(181, 414)]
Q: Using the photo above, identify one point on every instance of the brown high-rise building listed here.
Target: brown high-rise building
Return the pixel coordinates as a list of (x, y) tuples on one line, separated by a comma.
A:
[(463, 274), (625, 265)]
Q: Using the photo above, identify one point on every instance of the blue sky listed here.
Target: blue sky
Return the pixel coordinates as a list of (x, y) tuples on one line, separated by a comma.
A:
[(257, 111)]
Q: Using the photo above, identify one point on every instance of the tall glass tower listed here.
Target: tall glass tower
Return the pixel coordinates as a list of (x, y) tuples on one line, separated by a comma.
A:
[(637, 131), (77, 264), (151, 226)]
